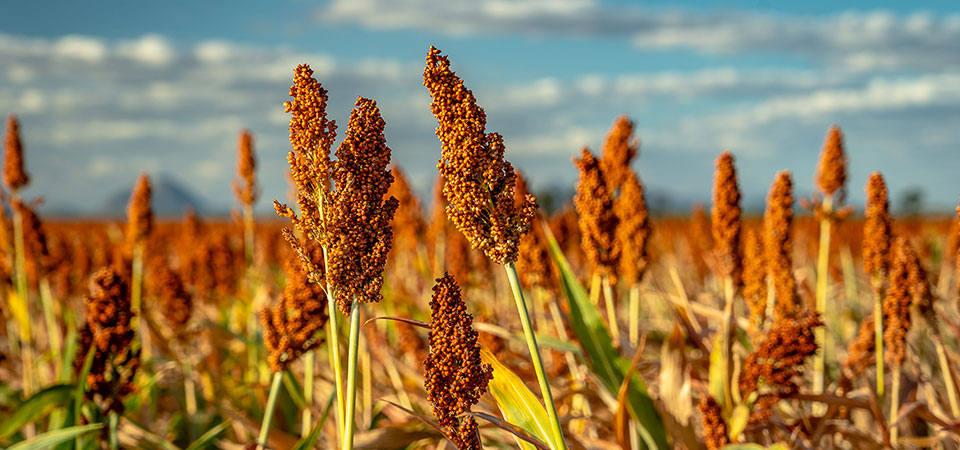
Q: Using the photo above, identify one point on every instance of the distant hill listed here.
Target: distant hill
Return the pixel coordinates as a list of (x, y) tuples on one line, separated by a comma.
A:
[(169, 199)]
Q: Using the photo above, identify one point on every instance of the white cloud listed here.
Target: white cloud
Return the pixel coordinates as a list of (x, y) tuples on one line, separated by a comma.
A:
[(854, 40), (213, 51), (151, 50), (83, 48)]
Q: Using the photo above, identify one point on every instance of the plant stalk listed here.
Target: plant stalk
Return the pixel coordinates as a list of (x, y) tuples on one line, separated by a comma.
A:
[(823, 278), (947, 373), (268, 411), (352, 351), (26, 333), (634, 317), (894, 405), (535, 353), (136, 300), (611, 308), (189, 396), (308, 366), (53, 329), (333, 330), (248, 234), (878, 332), (114, 442), (726, 339)]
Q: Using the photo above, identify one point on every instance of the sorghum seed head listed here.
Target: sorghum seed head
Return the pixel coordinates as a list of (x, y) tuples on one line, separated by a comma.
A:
[(107, 331), (754, 283), (479, 183), (876, 228), (311, 137), (777, 228), (725, 218), (175, 302), (714, 427), (619, 149), (291, 327), (533, 261), (633, 229), (14, 174), (246, 187), (408, 224), (358, 235), (832, 171), (139, 212), (776, 364), (597, 220), (454, 375), (861, 350), (896, 304)]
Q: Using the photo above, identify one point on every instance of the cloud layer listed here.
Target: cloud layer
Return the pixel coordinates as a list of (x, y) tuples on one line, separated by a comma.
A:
[(854, 40), (97, 111)]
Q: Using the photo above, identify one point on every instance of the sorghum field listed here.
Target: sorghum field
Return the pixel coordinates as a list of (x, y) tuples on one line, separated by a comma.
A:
[(366, 317)]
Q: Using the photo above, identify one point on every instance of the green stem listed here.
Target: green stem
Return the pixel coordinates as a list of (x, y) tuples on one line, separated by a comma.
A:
[(333, 346), (308, 363), (878, 333), (535, 353), (53, 329), (26, 334), (823, 278), (268, 412), (352, 350), (114, 442)]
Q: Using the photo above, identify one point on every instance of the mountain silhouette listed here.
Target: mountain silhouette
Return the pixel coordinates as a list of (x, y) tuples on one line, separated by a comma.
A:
[(169, 198)]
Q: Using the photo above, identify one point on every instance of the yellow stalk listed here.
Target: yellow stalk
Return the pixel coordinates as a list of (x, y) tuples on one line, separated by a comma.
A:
[(894, 405), (611, 308), (878, 331), (634, 316), (726, 339), (136, 300), (947, 373), (823, 278), (308, 365)]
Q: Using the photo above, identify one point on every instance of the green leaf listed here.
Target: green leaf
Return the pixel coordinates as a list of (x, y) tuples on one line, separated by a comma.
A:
[(36, 407), (542, 340), (52, 438), (518, 405), (69, 354), (602, 357), (717, 370), (293, 388), (208, 437), (81, 386), (308, 441)]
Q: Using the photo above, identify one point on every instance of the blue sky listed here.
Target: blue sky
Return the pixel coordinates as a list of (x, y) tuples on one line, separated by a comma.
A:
[(105, 89)]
